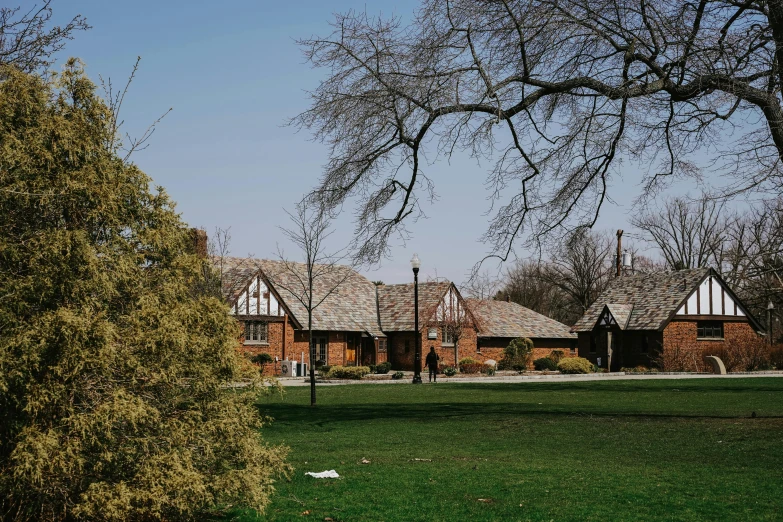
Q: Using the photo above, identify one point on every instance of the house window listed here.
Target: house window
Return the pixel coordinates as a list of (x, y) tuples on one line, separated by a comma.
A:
[(323, 352), (709, 329), (407, 346), (432, 333), (381, 345), (447, 335), (256, 332)]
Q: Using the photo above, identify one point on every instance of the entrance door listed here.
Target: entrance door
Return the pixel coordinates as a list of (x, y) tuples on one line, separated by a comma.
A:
[(321, 348)]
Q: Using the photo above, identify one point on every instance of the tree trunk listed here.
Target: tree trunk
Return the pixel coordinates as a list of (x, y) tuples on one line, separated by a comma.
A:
[(312, 355)]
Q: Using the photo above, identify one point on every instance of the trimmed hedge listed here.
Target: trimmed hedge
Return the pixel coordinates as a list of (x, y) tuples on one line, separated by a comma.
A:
[(545, 364), (383, 368), (347, 372), (575, 365)]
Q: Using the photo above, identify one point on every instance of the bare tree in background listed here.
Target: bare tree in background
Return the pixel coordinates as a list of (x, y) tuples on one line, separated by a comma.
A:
[(28, 41), (313, 281), (753, 263), (564, 286), (218, 249), (688, 234), (482, 286), (581, 268), (555, 92), (523, 284)]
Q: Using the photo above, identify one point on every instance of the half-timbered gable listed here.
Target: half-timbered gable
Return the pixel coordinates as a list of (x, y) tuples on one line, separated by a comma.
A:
[(641, 318), (266, 298), (442, 310)]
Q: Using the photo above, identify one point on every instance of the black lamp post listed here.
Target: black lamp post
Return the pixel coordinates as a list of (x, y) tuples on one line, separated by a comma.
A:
[(415, 264), (770, 307)]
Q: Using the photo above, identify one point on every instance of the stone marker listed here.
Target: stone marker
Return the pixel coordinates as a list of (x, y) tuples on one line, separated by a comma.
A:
[(718, 368)]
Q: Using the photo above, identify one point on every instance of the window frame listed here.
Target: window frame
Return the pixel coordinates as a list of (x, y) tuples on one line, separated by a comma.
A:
[(709, 331), (447, 336), (432, 333), (253, 334), (382, 345)]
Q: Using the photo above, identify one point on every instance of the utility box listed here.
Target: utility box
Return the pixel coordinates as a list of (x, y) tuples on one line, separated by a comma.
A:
[(301, 369), (288, 368)]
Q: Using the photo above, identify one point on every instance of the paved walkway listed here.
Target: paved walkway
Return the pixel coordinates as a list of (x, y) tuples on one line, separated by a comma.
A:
[(296, 381)]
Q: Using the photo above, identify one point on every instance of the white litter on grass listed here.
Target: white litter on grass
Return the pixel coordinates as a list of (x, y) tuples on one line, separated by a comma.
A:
[(324, 474)]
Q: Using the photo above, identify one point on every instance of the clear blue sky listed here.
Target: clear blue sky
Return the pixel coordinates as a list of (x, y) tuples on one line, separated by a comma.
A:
[(233, 75)]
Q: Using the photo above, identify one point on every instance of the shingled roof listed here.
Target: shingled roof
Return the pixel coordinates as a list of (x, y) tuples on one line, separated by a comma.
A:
[(237, 272), (395, 304), (505, 319), (653, 298), (351, 308)]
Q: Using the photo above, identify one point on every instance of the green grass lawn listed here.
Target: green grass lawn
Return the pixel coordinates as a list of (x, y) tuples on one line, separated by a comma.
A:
[(610, 450)]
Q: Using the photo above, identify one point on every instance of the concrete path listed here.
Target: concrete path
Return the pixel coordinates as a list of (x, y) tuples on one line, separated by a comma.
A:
[(293, 382)]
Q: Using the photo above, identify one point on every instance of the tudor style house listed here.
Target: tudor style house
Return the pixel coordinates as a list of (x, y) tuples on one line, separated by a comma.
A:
[(358, 323), (501, 321), (264, 295), (641, 318)]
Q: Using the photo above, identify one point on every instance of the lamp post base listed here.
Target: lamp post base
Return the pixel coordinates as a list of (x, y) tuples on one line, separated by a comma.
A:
[(416, 378)]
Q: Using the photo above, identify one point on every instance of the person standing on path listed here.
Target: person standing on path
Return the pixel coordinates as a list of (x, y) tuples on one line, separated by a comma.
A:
[(432, 364)]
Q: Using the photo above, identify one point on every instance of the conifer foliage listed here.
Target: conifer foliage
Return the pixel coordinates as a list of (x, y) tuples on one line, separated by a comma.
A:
[(115, 358)]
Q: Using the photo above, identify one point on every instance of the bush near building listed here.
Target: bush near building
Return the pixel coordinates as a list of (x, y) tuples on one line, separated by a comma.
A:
[(575, 365)]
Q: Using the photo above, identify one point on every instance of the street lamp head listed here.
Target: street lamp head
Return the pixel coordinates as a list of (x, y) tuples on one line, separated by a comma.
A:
[(770, 306), (415, 263)]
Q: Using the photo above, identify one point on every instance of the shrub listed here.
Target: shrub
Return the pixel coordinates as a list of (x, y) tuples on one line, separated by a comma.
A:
[(745, 353), (117, 351), (262, 358), (776, 356), (517, 355), (398, 375), (323, 370), (545, 364), (347, 372), (449, 371), (474, 367), (489, 369), (470, 365), (556, 355), (575, 365), (383, 368)]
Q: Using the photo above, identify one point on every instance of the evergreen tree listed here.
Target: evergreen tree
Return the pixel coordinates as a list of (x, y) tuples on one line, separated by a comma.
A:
[(116, 359)]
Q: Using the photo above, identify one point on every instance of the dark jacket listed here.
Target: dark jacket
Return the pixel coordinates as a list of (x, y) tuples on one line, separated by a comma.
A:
[(432, 360)]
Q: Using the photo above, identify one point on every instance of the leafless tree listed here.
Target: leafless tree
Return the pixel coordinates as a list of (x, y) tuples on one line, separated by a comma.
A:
[(523, 284), (457, 321), (564, 286), (482, 286), (314, 281), (688, 234), (581, 269), (28, 41), (556, 92), (753, 262)]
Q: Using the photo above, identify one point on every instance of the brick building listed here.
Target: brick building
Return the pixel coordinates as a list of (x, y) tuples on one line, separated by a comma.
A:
[(500, 322), (445, 323), (264, 295), (642, 319)]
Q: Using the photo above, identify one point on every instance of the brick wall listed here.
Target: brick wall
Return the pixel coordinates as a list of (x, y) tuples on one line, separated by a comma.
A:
[(680, 341), (466, 347), (492, 348)]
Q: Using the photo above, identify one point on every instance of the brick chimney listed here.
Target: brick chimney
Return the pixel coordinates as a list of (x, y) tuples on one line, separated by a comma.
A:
[(198, 238)]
